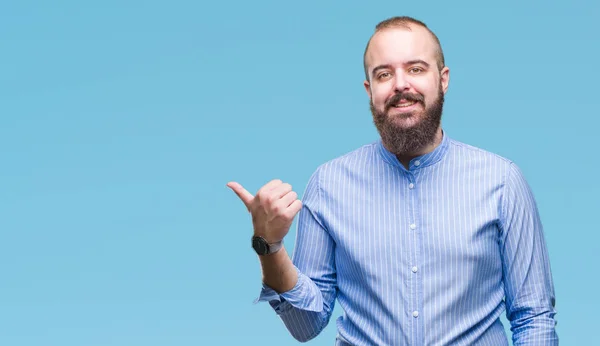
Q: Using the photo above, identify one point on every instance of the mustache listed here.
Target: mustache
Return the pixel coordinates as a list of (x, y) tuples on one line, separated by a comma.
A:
[(407, 96)]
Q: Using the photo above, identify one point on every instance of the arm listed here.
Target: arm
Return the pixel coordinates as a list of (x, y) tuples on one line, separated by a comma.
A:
[(306, 308), (528, 284), (278, 271)]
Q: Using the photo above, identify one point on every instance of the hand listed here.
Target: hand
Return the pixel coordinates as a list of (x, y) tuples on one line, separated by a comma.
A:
[(273, 208)]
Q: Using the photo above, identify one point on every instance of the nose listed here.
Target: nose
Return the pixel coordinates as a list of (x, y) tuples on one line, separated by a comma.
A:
[(402, 83)]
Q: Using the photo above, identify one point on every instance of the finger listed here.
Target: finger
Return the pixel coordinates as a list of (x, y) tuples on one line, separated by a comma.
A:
[(242, 193), (279, 207), (269, 186), (264, 193), (288, 199), (293, 209), (280, 191)]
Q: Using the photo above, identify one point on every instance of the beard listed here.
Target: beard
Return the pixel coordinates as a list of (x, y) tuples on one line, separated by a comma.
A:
[(405, 140)]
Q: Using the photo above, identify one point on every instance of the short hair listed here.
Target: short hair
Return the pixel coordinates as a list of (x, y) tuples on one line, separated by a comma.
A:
[(404, 22)]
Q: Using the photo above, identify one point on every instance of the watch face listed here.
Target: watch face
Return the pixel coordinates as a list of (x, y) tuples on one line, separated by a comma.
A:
[(260, 245)]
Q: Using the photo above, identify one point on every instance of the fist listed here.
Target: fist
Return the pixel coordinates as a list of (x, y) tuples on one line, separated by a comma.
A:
[(273, 208)]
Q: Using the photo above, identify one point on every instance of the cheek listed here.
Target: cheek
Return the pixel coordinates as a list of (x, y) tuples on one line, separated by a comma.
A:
[(428, 91), (379, 96), (432, 96)]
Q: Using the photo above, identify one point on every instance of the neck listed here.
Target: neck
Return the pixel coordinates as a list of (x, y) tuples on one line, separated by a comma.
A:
[(405, 158)]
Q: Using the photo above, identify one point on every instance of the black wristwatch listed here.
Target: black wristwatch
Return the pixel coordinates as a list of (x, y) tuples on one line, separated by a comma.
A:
[(262, 247)]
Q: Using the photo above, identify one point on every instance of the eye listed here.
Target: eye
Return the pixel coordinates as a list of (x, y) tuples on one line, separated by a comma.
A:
[(414, 70), (383, 75)]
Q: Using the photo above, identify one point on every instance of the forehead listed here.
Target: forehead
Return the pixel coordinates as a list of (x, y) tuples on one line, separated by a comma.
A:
[(398, 45)]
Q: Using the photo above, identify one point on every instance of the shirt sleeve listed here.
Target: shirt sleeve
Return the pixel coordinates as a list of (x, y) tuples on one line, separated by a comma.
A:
[(529, 289), (306, 309)]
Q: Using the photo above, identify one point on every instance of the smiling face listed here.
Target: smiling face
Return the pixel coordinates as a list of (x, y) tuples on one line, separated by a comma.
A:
[(406, 87)]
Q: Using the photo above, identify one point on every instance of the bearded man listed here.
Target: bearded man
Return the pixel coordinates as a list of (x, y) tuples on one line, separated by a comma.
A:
[(422, 239)]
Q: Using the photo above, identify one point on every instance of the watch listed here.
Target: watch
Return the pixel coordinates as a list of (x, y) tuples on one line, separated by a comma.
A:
[(262, 247)]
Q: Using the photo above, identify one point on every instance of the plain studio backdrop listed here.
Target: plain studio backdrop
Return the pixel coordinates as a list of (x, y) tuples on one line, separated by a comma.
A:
[(121, 123)]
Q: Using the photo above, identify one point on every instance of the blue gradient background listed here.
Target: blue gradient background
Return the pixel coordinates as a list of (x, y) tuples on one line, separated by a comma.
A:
[(121, 123)]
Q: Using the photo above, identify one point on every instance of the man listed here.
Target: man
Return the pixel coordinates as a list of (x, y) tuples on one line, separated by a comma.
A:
[(423, 240)]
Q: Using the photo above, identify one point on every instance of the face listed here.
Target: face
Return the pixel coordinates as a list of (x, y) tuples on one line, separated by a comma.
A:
[(405, 87)]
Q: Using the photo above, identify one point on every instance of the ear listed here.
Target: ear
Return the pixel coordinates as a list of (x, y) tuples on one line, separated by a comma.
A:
[(445, 78), (367, 87)]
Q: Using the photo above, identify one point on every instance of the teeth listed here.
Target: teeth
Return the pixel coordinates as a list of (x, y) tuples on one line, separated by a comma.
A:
[(405, 104)]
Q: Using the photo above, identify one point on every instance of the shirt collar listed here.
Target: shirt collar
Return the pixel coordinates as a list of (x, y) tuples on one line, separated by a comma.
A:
[(420, 161)]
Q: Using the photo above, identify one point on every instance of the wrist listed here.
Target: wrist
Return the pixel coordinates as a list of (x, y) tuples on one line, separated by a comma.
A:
[(264, 246)]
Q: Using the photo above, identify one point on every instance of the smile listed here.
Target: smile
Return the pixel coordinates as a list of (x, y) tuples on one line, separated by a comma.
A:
[(405, 104)]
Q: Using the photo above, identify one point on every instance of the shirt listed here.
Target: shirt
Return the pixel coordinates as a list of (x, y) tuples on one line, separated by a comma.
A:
[(429, 255)]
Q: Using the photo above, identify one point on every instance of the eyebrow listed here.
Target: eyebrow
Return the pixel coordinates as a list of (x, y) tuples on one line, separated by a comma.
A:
[(380, 67), (416, 62), (411, 62)]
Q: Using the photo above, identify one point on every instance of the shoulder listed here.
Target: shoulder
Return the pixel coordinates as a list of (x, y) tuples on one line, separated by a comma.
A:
[(494, 164), (473, 152), (480, 162), (477, 158), (338, 170), (353, 160)]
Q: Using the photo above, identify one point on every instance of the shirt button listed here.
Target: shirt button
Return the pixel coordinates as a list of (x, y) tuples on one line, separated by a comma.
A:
[(415, 314), (414, 269), (413, 226), (417, 163), (411, 186)]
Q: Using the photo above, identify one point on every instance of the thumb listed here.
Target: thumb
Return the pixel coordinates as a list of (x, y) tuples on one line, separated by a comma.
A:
[(242, 193)]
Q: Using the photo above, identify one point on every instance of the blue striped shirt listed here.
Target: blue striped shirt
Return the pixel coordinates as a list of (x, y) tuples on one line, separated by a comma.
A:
[(430, 255)]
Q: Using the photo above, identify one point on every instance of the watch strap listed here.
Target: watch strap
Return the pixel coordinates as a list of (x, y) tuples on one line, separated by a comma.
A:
[(274, 247), (262, 247)]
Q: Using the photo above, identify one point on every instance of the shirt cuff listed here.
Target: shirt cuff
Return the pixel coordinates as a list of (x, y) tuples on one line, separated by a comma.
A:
[(305, 295)]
